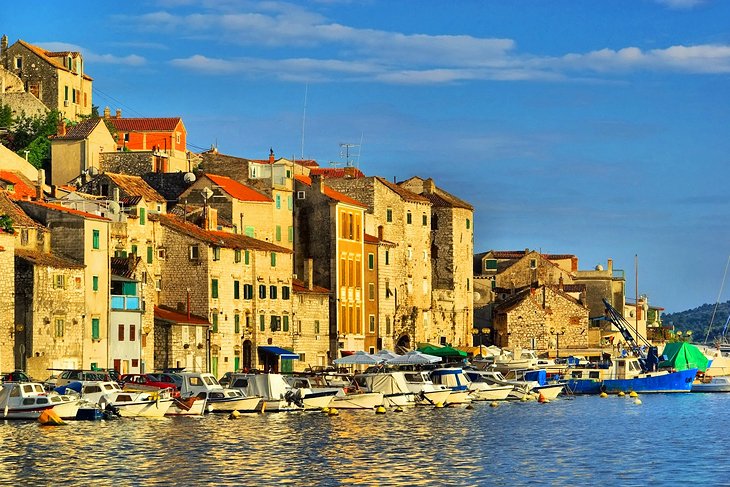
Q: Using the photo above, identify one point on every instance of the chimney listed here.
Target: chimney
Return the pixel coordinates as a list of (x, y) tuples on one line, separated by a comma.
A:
[(115, 195), (317, 183), (3, 45), (107, 113), (308, 273), (429, 186), (271, 156), (609, 266), (119, 113), (212, 219), (39, 184), (349, 171), (560, 282), (380, 232), (61, 130)]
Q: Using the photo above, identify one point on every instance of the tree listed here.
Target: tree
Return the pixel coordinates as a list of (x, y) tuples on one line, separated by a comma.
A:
[(31, 134), (6, 116)]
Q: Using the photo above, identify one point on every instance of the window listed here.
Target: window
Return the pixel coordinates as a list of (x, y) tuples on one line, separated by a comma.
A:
[(59, 327), (389, 215), (409, 252), (248, 291), (387, 325), (286, 323), (387, 257), (214, 288), (301, 195), (409, 218), (95, 329), (278, 233), (273, 259), (278, 201), (236, 290), (158, 284), (132, 333), (161, 254), (262, 291), (142, 216), (237, 256), (18, 62), (246, 257), (371, 261), (371, 322), (59, 281), (289, 199), (134, 250), (275, 323), (468, 284), (284, 292), (533, 263), (272, 292), (371, 291), (95, 239), (262, 323), (468, 224), (150, 253), (424, 220), (214, 322), (290, 233), (194, 252), (316, 327), (216, 253), (490, 265), (95, 283), (65, 93), (236, 323), (120, 333)]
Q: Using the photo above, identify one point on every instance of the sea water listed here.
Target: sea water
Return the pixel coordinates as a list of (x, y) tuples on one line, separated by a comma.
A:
[(666, 439)]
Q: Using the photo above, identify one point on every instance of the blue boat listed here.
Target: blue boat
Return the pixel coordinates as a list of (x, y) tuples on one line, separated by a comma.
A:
[(626, 374)]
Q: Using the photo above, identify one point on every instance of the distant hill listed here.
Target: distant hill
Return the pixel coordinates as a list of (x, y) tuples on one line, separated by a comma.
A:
[(698, 320)]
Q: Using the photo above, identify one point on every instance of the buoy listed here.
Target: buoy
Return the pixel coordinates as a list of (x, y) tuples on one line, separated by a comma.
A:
[(325, 410), (603, 394), (49, 417), (234, 415), (438, 405), (637, 401), (541, 398), (333, 412), (493, 404), (633, 394), (524, 399), (398, 409), (380, 410), (621, 394)]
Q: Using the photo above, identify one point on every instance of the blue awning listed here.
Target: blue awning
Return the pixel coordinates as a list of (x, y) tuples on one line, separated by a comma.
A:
[(281, 352)]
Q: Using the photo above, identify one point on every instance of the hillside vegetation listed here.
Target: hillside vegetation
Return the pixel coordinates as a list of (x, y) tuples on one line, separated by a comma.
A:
[(698, 320)]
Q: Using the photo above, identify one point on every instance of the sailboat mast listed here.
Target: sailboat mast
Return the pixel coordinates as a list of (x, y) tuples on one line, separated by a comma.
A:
[(717, 302), (636, 291)]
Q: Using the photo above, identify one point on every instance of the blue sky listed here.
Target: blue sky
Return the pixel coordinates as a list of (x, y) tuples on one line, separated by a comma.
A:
[(593, 128)]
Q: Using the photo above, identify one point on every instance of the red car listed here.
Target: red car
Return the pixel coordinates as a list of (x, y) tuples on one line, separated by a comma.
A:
[(160, 381)]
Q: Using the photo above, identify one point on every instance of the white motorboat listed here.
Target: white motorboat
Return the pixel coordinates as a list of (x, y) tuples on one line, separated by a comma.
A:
[(277, 393), (191, 406), (312, 398), (482, 390), (712, 384), (109, 396), (424, 390), (219, 399), (356, 400), (454, 379), (519, 390), (536, 380), (27, 400), (392, 384)]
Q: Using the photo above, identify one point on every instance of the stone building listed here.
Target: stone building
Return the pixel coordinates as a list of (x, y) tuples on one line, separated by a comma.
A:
[(50, 312), (180, 340), (452, 247), (330, 231), (544, 319), (373, 342), (406, 220), (84, 238), (600, 283), (311, 312), (55, 78), (13, 95), (7, 302), (76, 150)]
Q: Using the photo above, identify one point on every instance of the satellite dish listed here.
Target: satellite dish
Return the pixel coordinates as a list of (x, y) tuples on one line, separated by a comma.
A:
[(599, 267), (93, 171), (189, 177), (113, 207)]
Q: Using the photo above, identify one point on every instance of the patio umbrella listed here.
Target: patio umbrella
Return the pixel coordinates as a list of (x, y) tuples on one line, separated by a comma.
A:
[(386, 354), (414, 357), (442, 351), (359, 358)]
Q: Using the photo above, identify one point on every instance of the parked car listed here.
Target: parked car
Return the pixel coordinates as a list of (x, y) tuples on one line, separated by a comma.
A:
[(68, 376), (173, 380), (15, 376), (149, 380)]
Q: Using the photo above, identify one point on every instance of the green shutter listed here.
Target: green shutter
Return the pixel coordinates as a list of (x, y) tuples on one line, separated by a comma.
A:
[(94, 328), (237, 323), (95, 241), (249, 231), (246, 257), (142, 216), (95, 283), (215, 322), (236, 290), (149, 255), (286, 323), (273, 259), (262, 323), (278, 233), (291, 233), (371, 261), (214, 288)]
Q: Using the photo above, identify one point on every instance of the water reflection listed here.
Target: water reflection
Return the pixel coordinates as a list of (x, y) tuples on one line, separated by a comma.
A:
[(586, 440)]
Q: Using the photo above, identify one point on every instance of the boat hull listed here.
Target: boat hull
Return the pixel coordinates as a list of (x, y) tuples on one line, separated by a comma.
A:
[(680, 381), (458, 397), (431, 398), (143, 409), (716, 384), (495, 393), (550, 391), (365, 400), (182, 408), (399, 400), (242, 405)]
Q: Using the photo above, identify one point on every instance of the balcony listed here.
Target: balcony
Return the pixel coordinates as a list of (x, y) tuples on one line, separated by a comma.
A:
[(131, 303)]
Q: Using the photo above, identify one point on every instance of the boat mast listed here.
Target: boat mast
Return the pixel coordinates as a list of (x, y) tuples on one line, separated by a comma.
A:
[(717, 302), (636, 291)]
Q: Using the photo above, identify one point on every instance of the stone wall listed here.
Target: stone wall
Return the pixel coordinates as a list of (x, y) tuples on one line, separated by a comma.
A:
[(23, 103), (7, 292), (310, 343), (132, 163)]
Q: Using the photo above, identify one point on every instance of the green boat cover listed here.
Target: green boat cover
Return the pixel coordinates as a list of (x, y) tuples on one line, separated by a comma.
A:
[(442, 351), (683, 356)]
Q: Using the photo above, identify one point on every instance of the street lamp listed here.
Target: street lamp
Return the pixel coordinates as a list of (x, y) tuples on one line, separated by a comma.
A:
[(479, 333), (688, 335), (558, 334), (679, 335)]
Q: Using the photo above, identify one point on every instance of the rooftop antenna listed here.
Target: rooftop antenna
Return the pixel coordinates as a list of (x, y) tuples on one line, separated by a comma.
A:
[(351, 155), (304, 116)]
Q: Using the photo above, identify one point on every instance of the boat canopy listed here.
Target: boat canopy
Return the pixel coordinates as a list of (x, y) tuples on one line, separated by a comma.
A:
[(442, 351), (281, 352), (683, 356)]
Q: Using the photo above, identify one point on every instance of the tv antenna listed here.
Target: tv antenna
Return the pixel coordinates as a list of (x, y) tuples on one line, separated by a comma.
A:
[(351, 155)]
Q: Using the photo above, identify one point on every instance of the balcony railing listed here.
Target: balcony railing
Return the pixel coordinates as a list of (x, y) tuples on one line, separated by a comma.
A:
[(125, 302)]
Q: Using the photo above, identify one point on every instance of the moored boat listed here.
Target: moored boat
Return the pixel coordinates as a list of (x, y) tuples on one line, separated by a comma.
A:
[(28, 400), (454, 379), (219, 399)]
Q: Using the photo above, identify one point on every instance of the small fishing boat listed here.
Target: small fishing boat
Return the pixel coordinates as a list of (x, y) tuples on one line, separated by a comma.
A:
[(425, 391), (276, 392), (219, 399), (484, 390), (191, 406), (392, 384), (28, 400), (454, 379), (712, 384), (313, 398)]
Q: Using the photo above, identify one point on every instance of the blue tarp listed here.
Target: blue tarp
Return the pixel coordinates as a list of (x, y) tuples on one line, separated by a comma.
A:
[(74, 386), (281, 352)]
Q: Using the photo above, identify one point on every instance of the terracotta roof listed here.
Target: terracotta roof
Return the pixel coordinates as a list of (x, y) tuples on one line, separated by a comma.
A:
[(145, 124), (403, 192), (306, 162), (52, 57), (331, 193), (336, 172), (23, 188), (53, 206), (80, 131), (47, 260), (166, 314), (219, 239), (16, 213), (135, 186), (518, 254), (443, 199), (298, 286), (238, 190)]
